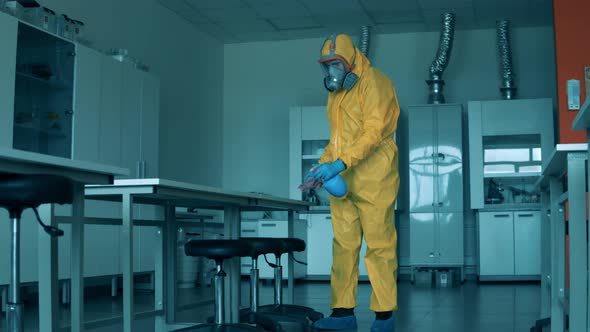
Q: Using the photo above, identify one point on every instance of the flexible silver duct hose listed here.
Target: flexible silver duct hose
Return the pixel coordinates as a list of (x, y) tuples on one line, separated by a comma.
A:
[(435, 81), (445, 45), (364, 44), (505, 55)]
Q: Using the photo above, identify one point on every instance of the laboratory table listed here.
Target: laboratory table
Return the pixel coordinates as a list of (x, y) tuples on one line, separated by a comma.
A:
[(556, 300), (171, 194), (23, 162)]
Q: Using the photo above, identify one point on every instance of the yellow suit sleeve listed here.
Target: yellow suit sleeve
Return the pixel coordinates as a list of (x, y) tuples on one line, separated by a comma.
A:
[(328, 155), (380, 111)]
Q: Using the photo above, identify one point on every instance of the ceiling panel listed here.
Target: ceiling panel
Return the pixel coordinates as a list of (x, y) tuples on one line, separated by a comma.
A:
[(351, 19), (215, 31), (215, 4), (447, 4), (401, 27), (387, 16), (260, 36), (330, 7), (435, 16), (290, 23), (176, 5), (248, 27), (238, 14), (306, 33), (194, 17), (284, 8), (252, 20), (372, 5)]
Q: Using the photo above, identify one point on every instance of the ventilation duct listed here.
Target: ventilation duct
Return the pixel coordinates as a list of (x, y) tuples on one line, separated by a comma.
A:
[(439, 64), (364, 44), (508, 88)]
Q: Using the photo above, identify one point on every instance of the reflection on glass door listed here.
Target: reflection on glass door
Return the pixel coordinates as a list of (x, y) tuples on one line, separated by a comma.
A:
[(43, 106)]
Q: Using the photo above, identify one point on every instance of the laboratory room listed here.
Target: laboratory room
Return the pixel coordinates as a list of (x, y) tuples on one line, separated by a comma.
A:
[(294, 165)]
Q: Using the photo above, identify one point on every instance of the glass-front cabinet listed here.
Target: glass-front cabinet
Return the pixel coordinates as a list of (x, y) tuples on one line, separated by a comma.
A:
[(511, 165), (44, 89), (312, 150)]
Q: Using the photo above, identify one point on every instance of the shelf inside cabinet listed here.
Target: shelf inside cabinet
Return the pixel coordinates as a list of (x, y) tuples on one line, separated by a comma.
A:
[(511, 178), (34, 130), (50, 83)]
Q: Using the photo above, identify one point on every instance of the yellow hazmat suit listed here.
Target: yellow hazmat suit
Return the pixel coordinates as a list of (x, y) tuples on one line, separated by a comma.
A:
[(363, 120)]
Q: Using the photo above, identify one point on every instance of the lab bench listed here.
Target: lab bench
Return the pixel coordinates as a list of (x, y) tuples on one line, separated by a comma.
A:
[(564, 224)]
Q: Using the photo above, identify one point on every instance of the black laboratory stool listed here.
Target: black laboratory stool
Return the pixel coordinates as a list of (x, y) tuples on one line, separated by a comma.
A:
[(290, 245), (17, 193), (219, 250), (273, 321)]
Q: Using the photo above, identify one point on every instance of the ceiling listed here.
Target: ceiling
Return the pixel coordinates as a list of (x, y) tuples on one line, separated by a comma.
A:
[(234, 21)]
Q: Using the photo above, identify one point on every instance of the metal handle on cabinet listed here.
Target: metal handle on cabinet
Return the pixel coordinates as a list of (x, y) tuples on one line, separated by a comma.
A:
[(501, 215), (526, 215), (329, 218), (248, 231), (138, 168), (141, 173), (440, 203), (269, 225), (441, 156)]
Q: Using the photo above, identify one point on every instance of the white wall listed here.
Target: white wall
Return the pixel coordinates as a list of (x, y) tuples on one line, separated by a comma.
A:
[(263, 79), (190, 66)]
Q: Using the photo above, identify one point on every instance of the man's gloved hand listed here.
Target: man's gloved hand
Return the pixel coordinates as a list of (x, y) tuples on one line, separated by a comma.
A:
[(327, 171)]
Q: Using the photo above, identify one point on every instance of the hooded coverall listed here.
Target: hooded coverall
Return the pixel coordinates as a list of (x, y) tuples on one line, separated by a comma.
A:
[(363, 121)]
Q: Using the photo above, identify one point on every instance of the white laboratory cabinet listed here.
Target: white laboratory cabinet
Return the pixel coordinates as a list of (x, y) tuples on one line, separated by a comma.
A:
[(320, 237), (99, 110), (509, 245), (435, 147), (277, 228)]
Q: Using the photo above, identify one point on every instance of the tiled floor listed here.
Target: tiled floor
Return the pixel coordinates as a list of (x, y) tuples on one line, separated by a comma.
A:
[(472, 307)]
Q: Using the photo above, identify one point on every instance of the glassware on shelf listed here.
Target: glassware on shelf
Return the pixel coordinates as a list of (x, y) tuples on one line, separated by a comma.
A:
[(43, 93)]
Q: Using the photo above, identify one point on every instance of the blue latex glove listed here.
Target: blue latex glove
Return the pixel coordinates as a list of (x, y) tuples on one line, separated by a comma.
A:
[(328, 170)]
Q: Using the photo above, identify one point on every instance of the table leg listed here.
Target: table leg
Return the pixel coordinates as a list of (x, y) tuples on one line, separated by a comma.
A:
[(159, 280), (127, 261), (77, 252), (291, 264), (169, 262), (48, 285), (557, 256), (577, 239), (232, 266), (545, 256)]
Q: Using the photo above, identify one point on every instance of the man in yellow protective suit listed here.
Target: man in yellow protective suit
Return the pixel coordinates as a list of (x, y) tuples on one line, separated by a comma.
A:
[(362, 111)]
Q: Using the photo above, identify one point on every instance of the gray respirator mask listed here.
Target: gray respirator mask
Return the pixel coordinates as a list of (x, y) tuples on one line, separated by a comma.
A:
[(337, 79)]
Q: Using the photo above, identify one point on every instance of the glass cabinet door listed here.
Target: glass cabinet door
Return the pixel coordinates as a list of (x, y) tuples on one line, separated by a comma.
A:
[(43, 104)]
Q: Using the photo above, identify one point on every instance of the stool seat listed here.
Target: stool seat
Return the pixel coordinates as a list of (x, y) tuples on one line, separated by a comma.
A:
[(266, 245), (20, 191), (294, 244), (219, 249)]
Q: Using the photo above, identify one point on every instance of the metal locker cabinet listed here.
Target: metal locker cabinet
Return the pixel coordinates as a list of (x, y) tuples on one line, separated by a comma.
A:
[(436, 185), (421, 159), (450, 226), (423, 251), (448, 159)]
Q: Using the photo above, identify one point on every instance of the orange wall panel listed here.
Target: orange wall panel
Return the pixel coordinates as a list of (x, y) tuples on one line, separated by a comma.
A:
[(572, 29)]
